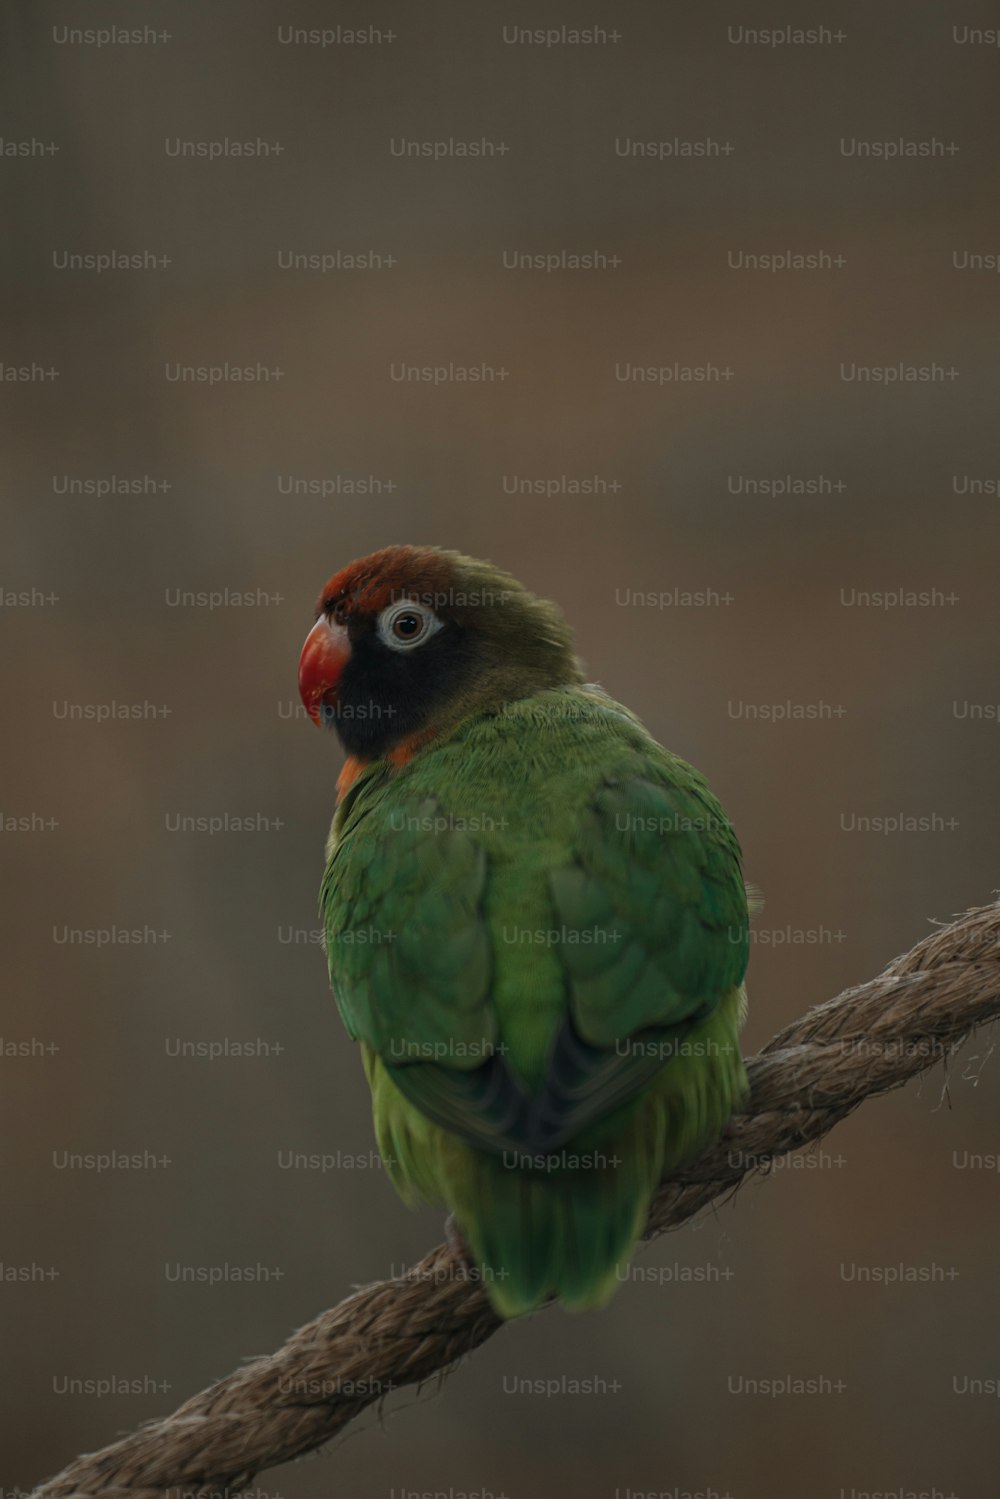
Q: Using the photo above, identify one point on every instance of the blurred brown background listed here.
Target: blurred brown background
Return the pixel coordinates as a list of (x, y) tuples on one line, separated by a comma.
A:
[(904, 721)]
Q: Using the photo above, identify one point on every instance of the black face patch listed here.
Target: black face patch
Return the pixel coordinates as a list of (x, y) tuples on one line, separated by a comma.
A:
[(386, 696)]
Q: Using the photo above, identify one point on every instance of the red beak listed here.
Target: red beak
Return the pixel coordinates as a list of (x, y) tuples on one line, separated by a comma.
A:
[(323, 658)]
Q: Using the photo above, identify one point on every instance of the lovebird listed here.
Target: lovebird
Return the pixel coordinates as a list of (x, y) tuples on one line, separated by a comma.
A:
[(535, 917)]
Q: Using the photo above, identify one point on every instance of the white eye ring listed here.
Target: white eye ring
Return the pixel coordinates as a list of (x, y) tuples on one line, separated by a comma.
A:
[(394, 621)]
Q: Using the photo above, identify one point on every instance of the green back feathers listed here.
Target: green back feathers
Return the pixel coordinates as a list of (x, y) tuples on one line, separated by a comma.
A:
[(523, 924)]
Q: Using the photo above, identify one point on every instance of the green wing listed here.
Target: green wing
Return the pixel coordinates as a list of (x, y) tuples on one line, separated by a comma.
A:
[(407, 947), (656, 898), (655, 912), (643, 883), (410, 957)]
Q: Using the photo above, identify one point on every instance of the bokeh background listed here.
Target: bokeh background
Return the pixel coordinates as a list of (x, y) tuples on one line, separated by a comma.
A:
[(894, 487)]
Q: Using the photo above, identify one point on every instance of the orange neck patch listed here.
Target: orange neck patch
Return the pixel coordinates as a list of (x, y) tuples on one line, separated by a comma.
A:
[(399, 756), (352, 769)]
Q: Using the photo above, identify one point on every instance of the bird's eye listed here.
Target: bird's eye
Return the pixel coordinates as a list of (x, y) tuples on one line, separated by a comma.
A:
[(406, 624), (339, 612)]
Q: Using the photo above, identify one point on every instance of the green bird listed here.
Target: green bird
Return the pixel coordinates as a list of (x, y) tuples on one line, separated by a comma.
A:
[(536, 922)]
